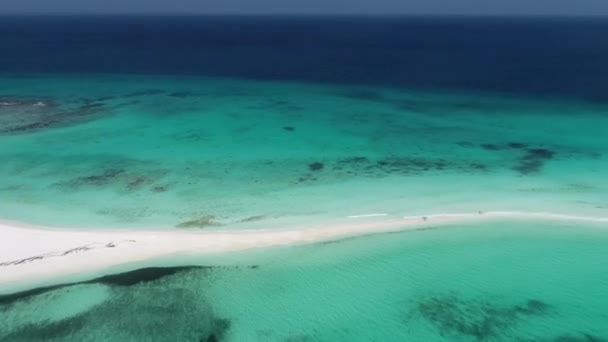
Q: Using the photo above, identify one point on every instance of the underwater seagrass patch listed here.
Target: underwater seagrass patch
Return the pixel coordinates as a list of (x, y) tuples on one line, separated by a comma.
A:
[(201, 222), (578, 337), (533, 160), (480, 319), (361, 166), (133, 314), (121, 177)]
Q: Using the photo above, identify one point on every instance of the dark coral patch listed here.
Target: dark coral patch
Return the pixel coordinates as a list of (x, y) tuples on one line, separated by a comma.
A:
[(395, 165), (316, 166), (14, 297), (60, 330), (176, 313), (533, 160), (412, 164), (533, 307), (103, 178), (160, 188), (356, 160), (516, 145), (118, 177), (136, 182), (121, 279), (478, 166), (202, 222), (542, 153), (583, 337), (526, 167), (289, 128), (21, 115), (491, 147), (478, 319), (252, 218), (220, 328), (306, 178), (142, 275)]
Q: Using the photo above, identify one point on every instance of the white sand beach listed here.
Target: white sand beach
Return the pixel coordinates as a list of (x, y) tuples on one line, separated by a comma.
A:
[(30, 254)]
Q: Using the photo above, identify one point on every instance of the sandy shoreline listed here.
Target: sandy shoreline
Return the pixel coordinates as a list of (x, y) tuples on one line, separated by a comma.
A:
[(31, 254)]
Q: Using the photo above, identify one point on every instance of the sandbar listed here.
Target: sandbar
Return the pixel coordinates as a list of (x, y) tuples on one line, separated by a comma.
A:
[(30, 254)]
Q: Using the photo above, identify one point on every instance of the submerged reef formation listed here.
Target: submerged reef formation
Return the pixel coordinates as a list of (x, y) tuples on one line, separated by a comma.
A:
[(574, 337), (479, 319), (143, 304), (528, 160), (360, 166), (533, 160), (21, 115), (201, 222), (316, 166), (121, 176)]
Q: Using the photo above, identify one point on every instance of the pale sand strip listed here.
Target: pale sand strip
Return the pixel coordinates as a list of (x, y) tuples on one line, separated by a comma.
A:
[(31, 254)]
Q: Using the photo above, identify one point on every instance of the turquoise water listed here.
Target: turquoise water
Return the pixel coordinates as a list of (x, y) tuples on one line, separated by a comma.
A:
[(290, 122), (212, 153), (161, 151), (524, 281)]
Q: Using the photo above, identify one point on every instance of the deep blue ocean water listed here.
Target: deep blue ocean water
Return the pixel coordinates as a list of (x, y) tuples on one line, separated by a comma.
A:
[(533, 56)]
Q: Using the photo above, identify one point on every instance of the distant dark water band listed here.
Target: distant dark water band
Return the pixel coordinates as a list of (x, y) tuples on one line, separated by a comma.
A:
[(534, 56)]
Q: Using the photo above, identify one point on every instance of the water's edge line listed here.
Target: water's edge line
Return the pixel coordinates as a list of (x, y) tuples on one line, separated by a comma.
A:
[(30, 254)]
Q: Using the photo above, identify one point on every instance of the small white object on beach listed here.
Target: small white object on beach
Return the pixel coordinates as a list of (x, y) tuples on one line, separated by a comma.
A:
[(367, 215)]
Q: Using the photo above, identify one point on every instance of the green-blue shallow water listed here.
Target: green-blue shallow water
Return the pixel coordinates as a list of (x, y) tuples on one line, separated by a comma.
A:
[(525, 281), (166, 151)]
